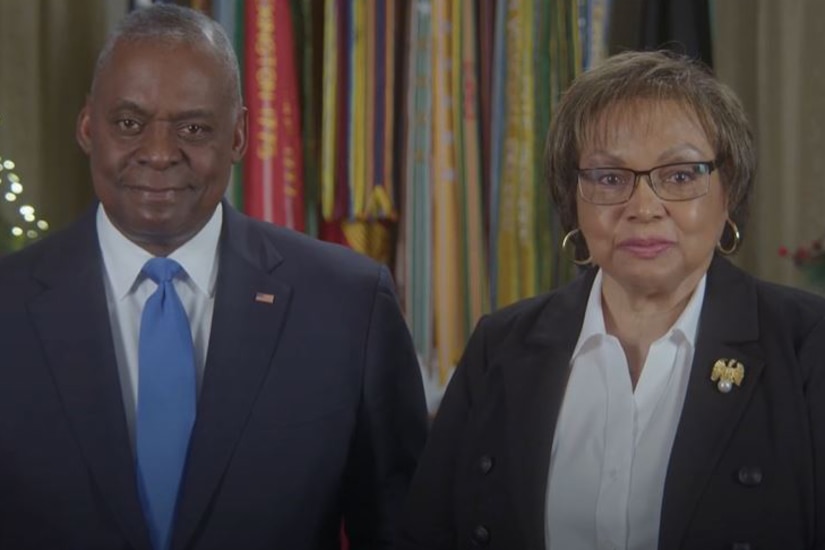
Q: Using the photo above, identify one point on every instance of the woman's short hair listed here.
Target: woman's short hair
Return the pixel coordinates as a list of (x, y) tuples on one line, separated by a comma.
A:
[(630, 77)]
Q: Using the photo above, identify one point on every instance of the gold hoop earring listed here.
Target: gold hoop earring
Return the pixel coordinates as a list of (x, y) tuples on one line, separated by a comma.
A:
[(736, 238), (568, 239)]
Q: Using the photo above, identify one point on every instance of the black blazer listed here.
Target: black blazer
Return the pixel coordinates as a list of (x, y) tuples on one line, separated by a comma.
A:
[(747, 468), (311, 408)]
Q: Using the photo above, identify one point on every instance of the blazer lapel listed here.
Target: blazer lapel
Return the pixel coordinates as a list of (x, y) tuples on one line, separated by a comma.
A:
[(71, 316), (250, 309), (534, 383), (728, 329)]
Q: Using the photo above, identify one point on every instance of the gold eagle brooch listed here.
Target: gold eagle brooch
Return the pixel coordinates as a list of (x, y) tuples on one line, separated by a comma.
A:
[(726, 373)]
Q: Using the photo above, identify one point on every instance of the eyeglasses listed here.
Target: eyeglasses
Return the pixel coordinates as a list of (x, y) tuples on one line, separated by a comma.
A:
[(682, 181)]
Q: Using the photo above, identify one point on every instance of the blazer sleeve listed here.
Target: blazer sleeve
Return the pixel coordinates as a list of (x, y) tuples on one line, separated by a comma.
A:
[(391, 427), (428, 521), (812, 358)]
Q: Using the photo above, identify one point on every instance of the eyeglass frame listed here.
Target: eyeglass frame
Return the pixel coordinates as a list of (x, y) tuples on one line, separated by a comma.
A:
[(711, 165)]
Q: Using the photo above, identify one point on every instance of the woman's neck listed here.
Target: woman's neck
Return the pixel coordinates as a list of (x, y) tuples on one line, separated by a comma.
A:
[(639, 319)]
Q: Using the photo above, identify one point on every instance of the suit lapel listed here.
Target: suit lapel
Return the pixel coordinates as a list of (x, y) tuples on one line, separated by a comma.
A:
[(728, 329), (72, 320), (244, 336), (534, 383)]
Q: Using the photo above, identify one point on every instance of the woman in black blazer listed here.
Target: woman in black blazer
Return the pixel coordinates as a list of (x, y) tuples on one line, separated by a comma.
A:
[(665, 398)]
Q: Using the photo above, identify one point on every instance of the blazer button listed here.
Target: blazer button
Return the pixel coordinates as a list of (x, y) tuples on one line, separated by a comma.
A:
[(480, 536), (741, 546), (485, 464), (750, 476)]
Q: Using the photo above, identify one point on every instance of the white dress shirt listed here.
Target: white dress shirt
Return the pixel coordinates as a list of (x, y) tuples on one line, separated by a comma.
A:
[(127, 290), (612, 444)]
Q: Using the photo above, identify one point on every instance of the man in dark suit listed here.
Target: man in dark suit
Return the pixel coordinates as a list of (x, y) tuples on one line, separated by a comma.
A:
[(308, 406)]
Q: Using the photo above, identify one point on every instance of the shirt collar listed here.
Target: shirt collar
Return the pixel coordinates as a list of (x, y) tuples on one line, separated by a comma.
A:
[(593, 325), (123, 259), (688, 321)]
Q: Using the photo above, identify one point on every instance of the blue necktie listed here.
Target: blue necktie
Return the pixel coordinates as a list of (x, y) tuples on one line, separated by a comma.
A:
[(166, 400)]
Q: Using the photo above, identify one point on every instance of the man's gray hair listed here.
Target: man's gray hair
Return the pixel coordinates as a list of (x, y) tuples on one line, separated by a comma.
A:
[(177, 24)]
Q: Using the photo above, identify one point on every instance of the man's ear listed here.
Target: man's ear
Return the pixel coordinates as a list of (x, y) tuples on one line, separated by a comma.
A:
[(83, 131), (240, 135)]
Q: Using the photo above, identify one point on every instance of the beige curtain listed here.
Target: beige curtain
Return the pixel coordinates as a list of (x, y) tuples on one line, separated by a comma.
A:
[(47, 52), (771, 53)]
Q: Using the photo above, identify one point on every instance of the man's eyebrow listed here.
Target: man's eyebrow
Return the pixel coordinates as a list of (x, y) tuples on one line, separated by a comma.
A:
[(192, 114), (127, 105), (189, 114)]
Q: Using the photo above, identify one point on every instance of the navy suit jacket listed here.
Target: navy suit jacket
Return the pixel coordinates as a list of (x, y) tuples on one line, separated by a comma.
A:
[(747, 468), (311, 408)]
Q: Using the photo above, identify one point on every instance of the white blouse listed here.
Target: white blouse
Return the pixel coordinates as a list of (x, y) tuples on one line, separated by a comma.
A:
[(612, 444)]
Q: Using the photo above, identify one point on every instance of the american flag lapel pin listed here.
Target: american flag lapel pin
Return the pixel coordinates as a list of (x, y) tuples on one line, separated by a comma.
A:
[(264, 298)]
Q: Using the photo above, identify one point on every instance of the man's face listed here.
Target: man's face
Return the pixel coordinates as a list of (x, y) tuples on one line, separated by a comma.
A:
[(161, 131)]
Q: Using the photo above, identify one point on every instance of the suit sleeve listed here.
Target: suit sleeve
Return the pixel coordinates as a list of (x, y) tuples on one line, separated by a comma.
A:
[(812, 357), (428, 520), (392, 427)]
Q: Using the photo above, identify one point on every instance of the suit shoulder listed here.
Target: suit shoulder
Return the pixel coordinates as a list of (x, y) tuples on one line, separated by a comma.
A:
[(20, 264), (311, 257), (516, 320), (518, 313), (794, 308)]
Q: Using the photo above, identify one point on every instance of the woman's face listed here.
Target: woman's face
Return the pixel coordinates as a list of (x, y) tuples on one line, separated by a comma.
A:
[(647, 245)]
